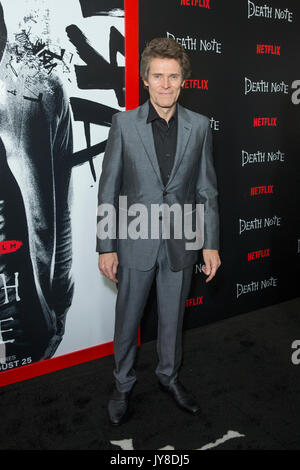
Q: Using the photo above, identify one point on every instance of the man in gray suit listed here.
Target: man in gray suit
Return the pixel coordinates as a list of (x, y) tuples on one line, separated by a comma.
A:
[(157, 155)]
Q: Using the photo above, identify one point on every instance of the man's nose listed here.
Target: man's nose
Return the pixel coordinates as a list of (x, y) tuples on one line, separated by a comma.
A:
[(166, 82)]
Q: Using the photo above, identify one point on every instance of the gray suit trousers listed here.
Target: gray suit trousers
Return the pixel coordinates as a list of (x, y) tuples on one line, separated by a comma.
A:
[(172, 289)]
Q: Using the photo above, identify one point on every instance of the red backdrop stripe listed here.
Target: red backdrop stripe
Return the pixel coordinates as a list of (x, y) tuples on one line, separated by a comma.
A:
[(132, 53)]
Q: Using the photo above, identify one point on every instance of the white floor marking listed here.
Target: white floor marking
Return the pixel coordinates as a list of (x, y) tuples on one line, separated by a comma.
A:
[(126, 444)]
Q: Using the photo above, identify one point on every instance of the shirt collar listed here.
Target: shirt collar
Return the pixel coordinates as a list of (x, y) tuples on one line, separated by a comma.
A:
[(153, 114)]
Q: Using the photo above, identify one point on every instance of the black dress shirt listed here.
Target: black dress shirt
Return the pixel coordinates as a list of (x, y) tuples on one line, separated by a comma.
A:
[(165, 141)]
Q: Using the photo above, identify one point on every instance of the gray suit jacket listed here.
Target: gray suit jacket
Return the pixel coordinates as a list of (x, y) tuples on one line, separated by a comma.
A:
[(130, 168)]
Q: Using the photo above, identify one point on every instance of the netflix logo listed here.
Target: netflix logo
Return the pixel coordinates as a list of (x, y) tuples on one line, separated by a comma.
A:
[(196, 84), (256, 190), (265, 122), (258, 254), (195, 3), (193, 301), (267, 49)]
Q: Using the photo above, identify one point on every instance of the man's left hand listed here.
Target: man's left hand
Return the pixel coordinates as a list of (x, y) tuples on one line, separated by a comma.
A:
[(212, 262)]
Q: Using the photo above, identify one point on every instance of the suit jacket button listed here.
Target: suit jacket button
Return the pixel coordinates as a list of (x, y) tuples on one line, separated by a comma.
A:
[(165, 193)]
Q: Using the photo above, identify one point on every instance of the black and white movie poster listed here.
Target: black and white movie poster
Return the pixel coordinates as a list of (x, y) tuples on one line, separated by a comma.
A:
[(61, 81)]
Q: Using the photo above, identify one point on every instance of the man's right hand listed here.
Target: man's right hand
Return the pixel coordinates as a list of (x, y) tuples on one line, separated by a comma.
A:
[(108, 265)]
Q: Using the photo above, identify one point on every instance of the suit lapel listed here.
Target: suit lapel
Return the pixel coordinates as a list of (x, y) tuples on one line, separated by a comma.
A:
[(146, 135), (183, 135)]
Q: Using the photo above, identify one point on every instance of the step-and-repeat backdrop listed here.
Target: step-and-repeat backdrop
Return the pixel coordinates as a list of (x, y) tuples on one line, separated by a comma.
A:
[(246, 79), (61, 81)]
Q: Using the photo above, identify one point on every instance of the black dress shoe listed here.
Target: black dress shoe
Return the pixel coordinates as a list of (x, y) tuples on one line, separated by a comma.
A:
[(118, 407), (182, 397)]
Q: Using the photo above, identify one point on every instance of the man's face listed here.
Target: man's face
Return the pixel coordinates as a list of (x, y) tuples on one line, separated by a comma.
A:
[(164, 82)]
